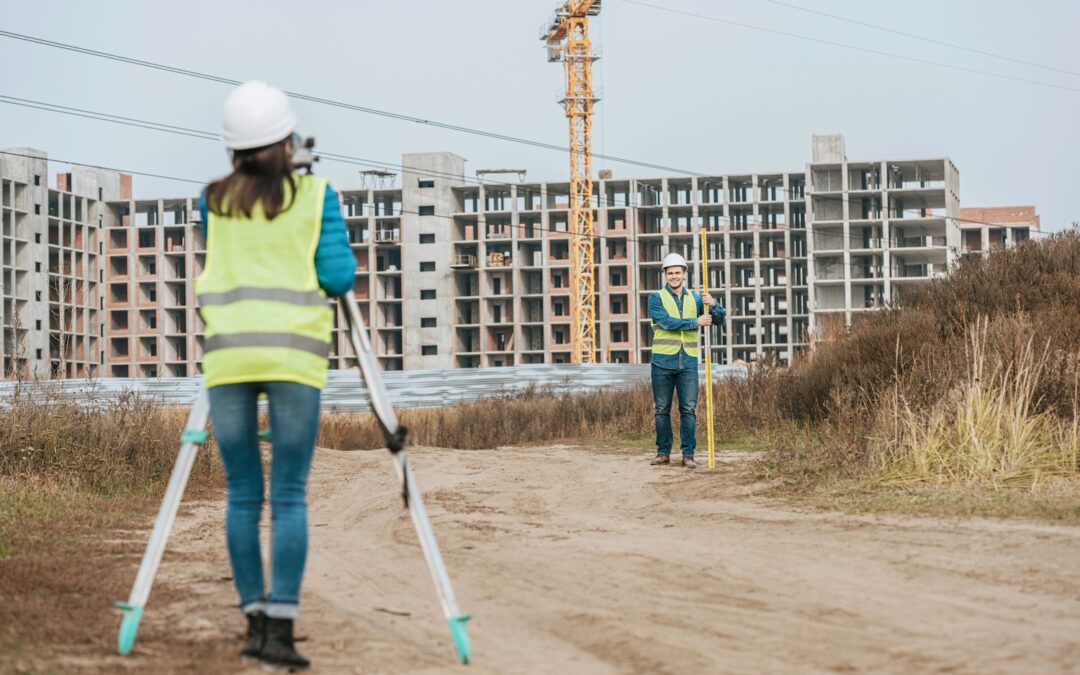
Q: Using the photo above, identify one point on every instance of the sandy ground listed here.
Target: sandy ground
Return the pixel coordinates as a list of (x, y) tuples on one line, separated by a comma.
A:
[(581, 561)]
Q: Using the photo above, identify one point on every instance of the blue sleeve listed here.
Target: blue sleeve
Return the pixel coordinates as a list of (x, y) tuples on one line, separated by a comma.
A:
[(661, 318), (717, 311), (335, 263), (202, 212)]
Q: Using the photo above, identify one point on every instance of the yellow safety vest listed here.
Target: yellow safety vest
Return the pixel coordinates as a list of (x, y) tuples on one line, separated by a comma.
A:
[(266, 317), (669, 342)]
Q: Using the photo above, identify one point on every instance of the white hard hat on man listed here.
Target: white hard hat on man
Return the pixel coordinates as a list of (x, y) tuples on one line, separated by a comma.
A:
[(674, 260), (257, 114)]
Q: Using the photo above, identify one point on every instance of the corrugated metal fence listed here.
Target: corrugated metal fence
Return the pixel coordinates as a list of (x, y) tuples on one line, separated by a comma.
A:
[(345, 390)]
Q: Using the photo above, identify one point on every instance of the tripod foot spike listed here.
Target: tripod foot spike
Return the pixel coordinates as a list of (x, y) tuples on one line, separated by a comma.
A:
[(461, 636), (129, 626)]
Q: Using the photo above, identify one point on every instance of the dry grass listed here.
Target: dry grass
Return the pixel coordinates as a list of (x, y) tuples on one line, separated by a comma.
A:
[(128, 446), (921, 345), (68, 478), (60, 461), (1054, 500), (73, 554), (988, 431), (528, 417), (972, 380), (741, 406)]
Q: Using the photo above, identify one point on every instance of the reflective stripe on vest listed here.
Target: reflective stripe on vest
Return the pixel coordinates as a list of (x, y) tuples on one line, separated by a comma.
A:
[(288, 340), (266, 317), (285, 295), (669, 342)]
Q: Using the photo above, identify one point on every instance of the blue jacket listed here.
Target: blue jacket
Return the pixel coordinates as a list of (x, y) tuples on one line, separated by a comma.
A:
[(335, 264), (661, 318)]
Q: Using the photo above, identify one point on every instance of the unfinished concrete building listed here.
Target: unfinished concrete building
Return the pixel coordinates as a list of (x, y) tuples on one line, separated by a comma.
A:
[(52, 265), (454, 272), (878, 227), (511, 265), (153, 250)]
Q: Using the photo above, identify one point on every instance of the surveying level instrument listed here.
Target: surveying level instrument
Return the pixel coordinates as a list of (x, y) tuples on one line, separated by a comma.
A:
[(303, 156)]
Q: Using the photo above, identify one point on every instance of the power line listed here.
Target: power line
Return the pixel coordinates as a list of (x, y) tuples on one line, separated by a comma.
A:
[(205, 135), (106, 117), (219, 79), (331, 102), (211, 136), (399, 116), (347, 159), (808, 38), (921, 37)]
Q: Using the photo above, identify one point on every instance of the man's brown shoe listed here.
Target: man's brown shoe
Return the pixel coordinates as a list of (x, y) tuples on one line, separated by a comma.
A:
[(689, 462), (661, 459)]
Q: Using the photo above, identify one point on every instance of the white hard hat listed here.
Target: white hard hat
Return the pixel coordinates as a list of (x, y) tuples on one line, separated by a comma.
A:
[(674, 259), (257, 114)]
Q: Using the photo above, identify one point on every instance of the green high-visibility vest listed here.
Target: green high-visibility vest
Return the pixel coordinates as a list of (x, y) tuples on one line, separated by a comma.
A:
[(669, 342), (266, 317)]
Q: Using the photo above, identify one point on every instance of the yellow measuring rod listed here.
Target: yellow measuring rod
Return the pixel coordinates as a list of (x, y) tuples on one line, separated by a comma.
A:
[(708, 350)]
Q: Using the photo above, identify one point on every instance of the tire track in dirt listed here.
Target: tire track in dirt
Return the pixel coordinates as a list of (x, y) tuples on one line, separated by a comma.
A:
[(575, 561)]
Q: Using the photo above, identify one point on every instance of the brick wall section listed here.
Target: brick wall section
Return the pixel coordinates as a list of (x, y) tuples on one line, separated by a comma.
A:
[(1000, 215)]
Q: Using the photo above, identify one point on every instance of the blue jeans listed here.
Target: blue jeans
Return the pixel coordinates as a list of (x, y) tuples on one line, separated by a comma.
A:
[(665, 382), (294, 424)]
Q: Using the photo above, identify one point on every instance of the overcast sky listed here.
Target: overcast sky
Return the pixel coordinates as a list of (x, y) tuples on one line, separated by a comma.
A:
[(681, 91)]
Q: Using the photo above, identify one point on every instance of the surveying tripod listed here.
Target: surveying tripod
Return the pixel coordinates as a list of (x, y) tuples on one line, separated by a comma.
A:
[(195, 435)]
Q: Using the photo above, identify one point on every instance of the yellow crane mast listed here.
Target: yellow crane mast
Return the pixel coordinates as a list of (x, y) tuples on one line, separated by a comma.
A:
[(567, 38)]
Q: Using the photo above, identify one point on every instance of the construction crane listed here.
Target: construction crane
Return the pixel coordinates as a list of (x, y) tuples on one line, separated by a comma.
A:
[(567, 36)]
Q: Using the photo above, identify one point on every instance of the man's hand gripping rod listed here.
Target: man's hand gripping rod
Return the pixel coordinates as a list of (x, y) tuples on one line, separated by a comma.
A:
[(394, 434)]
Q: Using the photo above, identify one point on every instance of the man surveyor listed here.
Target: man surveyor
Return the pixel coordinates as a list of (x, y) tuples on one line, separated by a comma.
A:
[(676, 314)]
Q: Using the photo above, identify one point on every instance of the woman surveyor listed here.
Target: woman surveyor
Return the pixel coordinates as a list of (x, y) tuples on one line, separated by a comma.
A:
[(276, 249)]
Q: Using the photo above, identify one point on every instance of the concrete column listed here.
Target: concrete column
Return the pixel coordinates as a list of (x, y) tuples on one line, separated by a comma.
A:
[(726, 233), (789, 272), (847, 242), (886, 235)]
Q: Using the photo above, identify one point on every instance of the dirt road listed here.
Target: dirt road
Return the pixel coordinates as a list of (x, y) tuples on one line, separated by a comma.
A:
[(580, 561)]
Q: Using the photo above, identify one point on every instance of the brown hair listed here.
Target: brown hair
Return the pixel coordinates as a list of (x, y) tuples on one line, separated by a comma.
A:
[(259, 176)]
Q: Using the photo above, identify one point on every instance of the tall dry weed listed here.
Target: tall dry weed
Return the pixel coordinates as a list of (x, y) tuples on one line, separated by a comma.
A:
[(749, 404), (129, 445), (912, 364), (741, 405), (532, 416), (991, 429)]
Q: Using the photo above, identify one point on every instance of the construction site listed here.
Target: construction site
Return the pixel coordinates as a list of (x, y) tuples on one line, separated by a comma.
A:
[(455, 272), (327, 413)]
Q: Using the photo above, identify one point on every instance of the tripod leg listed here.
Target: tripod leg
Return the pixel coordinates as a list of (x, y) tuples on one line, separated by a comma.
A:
[(395, 440), (191, 438)]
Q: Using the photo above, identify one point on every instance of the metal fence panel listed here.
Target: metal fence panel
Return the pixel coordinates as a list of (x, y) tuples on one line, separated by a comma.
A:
[(345, 389)]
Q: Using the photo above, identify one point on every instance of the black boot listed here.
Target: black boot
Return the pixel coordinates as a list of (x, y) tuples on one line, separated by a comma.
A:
[(279, 650), (256, 635)]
